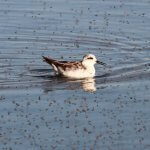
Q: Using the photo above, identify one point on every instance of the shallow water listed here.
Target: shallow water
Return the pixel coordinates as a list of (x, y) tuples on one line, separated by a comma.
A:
[(41, 111)]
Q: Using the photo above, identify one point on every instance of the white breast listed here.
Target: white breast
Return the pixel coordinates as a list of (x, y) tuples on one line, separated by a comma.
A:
[(79, 73)]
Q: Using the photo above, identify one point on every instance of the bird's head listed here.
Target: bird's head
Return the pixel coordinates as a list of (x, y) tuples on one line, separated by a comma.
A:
[(90, 60)]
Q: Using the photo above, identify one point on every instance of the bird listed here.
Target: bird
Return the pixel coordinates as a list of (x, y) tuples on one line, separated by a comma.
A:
[(74, 69)]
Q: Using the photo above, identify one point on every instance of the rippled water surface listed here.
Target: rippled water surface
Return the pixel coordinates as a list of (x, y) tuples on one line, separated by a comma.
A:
[(41, 111)]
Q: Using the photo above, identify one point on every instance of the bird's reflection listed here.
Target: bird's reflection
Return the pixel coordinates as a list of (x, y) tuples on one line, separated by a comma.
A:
[(50, 82), (59, 83), (88, 85)]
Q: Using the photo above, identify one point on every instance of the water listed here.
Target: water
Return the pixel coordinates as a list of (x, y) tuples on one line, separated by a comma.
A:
[(40, 111)]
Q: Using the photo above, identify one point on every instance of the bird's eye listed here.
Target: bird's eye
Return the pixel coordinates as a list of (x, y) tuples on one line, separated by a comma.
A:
[(90, 58)]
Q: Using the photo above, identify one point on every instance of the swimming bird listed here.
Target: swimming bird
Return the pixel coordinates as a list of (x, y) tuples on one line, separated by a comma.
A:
[(75, 69)]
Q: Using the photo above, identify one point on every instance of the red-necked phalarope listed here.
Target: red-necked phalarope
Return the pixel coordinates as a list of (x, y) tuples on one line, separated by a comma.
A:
[(75, 69)]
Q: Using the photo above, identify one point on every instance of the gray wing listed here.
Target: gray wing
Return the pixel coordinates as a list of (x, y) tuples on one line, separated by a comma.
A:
[(50, 60), (63, 64)]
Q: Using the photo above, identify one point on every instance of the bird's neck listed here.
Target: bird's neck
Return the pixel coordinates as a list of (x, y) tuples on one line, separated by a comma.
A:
[(89, 67)]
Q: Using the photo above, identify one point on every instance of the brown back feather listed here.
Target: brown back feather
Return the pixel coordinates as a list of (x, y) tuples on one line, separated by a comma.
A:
[(63, 64), (49, 60)]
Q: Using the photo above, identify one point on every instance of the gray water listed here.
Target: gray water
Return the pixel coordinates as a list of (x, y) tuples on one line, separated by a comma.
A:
[(39, 111)]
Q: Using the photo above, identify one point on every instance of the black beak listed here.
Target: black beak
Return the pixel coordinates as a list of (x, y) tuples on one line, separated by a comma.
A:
[(101, 63)]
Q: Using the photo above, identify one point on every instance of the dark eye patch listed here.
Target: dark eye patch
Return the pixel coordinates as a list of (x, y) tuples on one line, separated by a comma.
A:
[(90, 58)]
